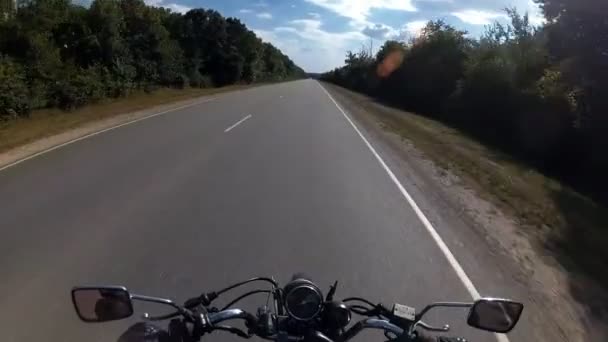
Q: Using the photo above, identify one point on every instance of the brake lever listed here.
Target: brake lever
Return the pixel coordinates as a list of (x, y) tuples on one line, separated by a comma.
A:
[(428, 327)]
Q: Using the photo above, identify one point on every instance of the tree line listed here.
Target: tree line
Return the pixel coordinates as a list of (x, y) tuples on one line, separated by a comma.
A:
[(54, 53), (538, 93)]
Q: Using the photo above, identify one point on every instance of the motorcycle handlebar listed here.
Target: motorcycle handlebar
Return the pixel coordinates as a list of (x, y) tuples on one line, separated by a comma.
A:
[(370, 323)]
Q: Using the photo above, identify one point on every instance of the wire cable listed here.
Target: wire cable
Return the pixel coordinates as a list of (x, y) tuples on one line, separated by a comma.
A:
[(266, 279), (243, 296), (360, 310), (359, 299)]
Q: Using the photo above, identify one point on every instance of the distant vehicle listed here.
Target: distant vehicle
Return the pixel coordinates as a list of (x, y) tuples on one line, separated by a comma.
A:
[(299, 312)]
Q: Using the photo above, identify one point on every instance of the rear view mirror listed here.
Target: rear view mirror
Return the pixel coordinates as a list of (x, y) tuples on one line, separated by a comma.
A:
[(102, 303), (496, 315)]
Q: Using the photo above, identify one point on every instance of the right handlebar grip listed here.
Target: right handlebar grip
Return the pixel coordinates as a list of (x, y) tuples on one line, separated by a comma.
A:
[(451, 339)]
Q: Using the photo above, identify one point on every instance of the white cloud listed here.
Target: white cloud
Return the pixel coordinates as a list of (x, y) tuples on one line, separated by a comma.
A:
[(536, 19), (486, 13), (379, 31), (172, 6), (311, 29), (478, 17), (245, 10), (535, 14), (314, 15), (414, 27), (410, 29), (261, 4), (264, 15), (304, 40), (359, 10), (177, 8), (153, 2)]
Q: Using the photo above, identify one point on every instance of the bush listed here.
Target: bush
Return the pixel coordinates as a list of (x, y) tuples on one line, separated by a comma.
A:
[(195, 78), (199, 81), (13, 90), (80, 88), (206, 82), (118, 80), (180, 82)]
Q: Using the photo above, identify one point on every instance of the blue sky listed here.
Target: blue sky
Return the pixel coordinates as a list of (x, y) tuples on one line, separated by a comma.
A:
[(317, 33)]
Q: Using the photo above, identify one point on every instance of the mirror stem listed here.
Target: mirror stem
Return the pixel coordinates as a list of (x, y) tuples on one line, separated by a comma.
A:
[(156, 300)]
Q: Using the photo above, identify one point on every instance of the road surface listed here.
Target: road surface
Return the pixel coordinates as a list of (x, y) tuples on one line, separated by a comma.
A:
[(268, 181)]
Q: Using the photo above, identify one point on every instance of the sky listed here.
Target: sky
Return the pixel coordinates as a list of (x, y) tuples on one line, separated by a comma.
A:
[(316, 34)]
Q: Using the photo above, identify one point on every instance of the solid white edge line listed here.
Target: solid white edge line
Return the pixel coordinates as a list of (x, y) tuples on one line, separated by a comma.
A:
[(19, 161), (237, 123), (464, 278)]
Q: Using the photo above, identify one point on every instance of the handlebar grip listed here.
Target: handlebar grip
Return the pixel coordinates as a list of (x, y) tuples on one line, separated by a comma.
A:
[(451, 339), (426, 337)]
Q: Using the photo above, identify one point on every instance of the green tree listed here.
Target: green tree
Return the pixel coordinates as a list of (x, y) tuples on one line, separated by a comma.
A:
[(248, 47), (432, 67), (577, 31), (538, 93), (62, 54)]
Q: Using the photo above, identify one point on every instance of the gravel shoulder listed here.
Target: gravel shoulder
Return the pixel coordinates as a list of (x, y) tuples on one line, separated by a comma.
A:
[(440, 166)]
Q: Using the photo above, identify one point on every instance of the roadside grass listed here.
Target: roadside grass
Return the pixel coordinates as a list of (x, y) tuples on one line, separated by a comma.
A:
[(562, 223), (48, 122)]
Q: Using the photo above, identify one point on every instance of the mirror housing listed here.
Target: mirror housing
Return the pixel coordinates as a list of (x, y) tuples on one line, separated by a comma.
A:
[(495, 315), (102, 303)]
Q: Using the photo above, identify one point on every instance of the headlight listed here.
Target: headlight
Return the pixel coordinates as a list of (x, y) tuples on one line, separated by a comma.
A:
[(303, 299)]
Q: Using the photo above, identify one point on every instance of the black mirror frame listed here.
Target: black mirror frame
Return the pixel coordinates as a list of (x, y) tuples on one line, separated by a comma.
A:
[(122, 288), (497, 300)]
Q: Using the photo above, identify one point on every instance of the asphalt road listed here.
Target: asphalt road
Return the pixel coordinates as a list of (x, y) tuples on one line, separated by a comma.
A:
[(186, 201)]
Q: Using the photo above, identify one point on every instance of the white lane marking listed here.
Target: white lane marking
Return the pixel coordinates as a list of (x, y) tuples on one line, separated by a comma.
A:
[(237, 123), (466, 281), (19, 161)]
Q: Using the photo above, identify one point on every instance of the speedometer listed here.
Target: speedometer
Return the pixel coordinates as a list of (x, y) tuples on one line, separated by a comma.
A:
[(303, 300)]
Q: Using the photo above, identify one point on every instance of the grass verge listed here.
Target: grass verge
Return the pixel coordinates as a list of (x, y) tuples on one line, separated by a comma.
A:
[(48, 122), (561, 223)]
